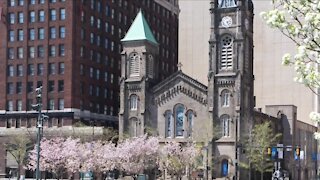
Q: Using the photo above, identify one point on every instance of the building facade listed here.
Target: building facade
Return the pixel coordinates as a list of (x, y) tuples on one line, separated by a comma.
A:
[(72, 49)]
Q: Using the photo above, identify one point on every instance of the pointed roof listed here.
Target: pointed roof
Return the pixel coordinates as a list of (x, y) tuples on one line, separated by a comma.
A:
[(139, 30)]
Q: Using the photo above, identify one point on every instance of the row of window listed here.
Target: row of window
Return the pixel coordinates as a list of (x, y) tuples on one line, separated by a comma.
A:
[(19, 105), (28, 123), (179, 122), (52, 52), (12, 3), (53, 16), (53, 34), (97, 57), (31, 69), (30, 87)]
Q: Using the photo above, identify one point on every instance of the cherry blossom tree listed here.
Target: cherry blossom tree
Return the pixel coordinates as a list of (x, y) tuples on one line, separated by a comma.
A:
[(299, 20), (176, 158), (138, 154)]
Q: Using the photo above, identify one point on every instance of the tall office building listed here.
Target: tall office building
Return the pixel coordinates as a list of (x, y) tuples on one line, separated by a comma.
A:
[(72, 48), (274, 83)]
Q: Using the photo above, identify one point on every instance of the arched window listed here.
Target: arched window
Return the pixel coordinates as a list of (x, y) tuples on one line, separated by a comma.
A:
[(190, 116), (179, 118), (134, 65), (150, 66), (225, 121), (169, 123), (134, 127), (133, 102), (226, 3), (226, 52), (225, 98), (224, 168)]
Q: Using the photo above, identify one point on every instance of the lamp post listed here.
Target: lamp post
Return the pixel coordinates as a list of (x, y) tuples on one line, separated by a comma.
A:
[(40, 119)]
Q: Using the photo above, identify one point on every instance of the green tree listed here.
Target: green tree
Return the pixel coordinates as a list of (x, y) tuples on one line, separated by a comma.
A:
[(262, 137), (299, 20), (19, 146)]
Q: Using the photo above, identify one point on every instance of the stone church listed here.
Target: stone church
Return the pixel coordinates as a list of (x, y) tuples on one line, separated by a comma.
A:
[(182, 109)]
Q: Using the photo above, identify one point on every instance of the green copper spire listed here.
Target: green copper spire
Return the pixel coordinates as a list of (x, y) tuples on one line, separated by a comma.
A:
[(139, 30)]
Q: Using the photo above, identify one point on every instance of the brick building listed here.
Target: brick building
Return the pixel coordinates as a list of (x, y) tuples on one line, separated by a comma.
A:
[(72, 48)]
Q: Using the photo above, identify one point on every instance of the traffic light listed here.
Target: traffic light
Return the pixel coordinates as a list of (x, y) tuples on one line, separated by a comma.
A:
[(269, 151), (298, 151)]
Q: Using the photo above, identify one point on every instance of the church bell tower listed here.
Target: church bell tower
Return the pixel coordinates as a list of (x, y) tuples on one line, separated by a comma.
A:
[(230, 81), (138, 75)]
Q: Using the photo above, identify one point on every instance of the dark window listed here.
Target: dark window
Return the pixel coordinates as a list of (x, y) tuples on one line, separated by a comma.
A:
[(40, 51), (51, 86), (30, 87), (19, 87), (60, 85), (10, 88), (40, 69), (30, 69)]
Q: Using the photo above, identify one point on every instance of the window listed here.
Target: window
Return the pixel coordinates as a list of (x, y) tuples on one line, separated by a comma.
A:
[(97, 91), (225, 98), (225, 121), (41, 33), (41, 16), (10, 71), (91, 72), (134, 66), (97, 74), (133, 126), (50, 86), (20, 52), (52, 68), (62, 14), (81, 69), (61, 50), (91, 38), (32, 34), (169, 123), (12, 3), (19, 87), (60, 85), (21, 2), (106, 76), (11, 35), (61, 104), (10, 53), (190, 116), (19, 70), (32, 2), (150, 66), (226, 4), (30, 70), (53, 15), (40, 69), (12, 18), (31, 52), (111, 78), (62, 32), (20, 35), (98, 23), (53, 1), (19, 108), (51, 104), (42, 1), (40, 51), (9, 108), (61, 68), (30, 87), (52, 50), (52, 32), (20, 17), (226, 52), (179, 118), (133, 102), (32, 16), (10, 88), (92, 21)]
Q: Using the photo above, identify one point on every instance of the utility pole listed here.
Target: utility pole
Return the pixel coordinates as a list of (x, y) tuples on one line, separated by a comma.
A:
[(41, 117)]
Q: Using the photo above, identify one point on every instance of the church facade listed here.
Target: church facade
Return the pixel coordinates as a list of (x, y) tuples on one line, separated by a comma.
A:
[(179, 108), (182, 109)]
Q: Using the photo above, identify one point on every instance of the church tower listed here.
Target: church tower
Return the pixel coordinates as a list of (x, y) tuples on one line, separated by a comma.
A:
[(138, 75), (230, 81)]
